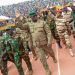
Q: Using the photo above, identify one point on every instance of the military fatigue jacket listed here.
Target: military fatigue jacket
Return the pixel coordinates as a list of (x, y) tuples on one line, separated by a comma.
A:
[(60, 24), (40, 33), (22, 29)]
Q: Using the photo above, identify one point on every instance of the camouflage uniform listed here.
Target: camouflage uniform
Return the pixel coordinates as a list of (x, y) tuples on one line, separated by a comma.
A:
[(10, 53), (23, 32), (62, 32), (41, 36), (68, 18), (4, 72), (51, 22)]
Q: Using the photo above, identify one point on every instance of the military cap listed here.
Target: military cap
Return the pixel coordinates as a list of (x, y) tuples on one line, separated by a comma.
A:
[(32, 12)]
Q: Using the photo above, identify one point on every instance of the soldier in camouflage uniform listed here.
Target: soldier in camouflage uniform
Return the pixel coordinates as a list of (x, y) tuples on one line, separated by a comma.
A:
[(68, 17), (62, 31), (41, 36), (51, 22), (21, 23), (10, 52), (23, 32), (2, 68)]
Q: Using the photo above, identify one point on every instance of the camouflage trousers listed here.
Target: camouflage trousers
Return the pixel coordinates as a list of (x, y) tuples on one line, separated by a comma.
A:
[(26, 58), (56, 37), (65, 38), (41, 53), (69, 26), (17, 63), (24, 55)]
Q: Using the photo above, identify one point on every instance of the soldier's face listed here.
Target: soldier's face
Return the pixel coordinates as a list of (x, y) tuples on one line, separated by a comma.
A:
[(34, 18)]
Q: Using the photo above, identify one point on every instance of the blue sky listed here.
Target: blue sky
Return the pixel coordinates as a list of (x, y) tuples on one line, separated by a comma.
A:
[(9, 2)]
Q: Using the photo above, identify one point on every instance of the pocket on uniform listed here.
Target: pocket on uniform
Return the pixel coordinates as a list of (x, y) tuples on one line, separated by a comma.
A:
[(40, 29)]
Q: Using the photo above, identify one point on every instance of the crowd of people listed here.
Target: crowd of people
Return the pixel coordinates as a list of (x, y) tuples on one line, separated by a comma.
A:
[(35, 33)]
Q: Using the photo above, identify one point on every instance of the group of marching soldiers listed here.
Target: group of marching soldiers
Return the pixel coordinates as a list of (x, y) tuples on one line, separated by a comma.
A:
[(35, 34)]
